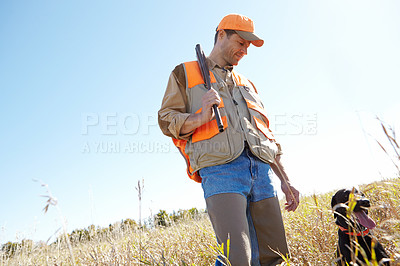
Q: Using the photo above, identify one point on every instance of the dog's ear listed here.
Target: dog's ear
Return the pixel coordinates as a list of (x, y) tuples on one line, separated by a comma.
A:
[(333, 201), (333, 204), (336, 197)]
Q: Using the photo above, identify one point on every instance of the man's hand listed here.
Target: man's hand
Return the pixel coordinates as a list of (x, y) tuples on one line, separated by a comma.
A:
[(292, 196), (195, 120), (207, 101)]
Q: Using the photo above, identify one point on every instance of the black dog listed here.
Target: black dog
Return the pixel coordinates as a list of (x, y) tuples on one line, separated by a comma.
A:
[(354, 225)]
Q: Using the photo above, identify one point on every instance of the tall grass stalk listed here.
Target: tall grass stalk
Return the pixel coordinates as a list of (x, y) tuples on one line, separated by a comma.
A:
[(139, 190), (52, 201), (390, 134)]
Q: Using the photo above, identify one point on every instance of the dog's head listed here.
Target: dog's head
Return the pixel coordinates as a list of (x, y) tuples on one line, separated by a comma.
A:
[(351, 209)]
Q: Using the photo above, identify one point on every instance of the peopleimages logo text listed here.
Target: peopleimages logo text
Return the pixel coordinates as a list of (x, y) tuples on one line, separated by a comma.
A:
[(114, 123), (130, 133)]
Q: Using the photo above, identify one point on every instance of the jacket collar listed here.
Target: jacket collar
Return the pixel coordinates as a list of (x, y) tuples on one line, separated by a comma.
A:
[(212, 64)]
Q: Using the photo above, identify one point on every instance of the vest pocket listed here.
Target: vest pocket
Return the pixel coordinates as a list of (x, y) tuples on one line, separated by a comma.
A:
[(254, 106), (208, 130), (209, 146), (260, 122), (264, 128)]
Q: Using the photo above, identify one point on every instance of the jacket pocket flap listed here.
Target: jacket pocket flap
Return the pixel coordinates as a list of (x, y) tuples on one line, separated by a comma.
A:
[(208, 130), (264, 128)]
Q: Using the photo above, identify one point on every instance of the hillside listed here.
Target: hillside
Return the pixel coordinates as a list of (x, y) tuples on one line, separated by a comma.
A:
[(186, 237)]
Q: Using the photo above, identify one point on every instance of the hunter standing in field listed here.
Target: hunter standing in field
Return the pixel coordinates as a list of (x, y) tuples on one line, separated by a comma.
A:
[(234, 166)]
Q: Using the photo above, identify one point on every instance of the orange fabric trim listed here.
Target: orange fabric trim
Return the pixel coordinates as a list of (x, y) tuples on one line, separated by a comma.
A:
[(254, 87), (261, 125), (256, 107), (208, 130), (263, 128), (181, 144), (240, 80), (193, 74), (363, 233)]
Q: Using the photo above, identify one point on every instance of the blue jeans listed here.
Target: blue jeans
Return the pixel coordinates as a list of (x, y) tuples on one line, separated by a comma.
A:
[(246, 175)]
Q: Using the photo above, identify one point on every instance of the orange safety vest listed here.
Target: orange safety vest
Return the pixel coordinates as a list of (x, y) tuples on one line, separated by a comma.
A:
[(210, 129), (194, 78)]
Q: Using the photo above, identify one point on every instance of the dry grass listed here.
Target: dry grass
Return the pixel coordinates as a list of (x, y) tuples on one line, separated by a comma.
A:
[(311, 231), (189, 242)]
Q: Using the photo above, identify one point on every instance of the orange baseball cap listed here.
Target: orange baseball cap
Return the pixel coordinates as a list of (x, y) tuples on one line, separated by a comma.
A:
[(243, 26)]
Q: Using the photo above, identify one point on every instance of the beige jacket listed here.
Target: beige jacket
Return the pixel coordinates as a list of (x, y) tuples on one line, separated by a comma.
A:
[(241, 110)]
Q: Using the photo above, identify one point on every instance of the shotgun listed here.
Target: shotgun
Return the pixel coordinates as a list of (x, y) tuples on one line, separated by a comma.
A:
[(201, 59)]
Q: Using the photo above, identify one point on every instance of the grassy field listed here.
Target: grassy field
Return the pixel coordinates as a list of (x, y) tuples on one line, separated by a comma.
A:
[(311, 232)]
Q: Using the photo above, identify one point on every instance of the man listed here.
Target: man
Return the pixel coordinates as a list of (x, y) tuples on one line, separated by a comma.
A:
[(234, 166)]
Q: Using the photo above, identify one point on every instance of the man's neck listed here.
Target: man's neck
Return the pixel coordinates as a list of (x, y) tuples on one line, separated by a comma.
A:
[(216, 56)]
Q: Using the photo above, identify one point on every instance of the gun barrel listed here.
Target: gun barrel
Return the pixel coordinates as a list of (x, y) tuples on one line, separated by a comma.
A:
[(201, 58)]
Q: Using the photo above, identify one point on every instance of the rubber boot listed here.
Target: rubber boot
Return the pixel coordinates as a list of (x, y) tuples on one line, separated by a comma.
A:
[(268, 223), (228, 217)]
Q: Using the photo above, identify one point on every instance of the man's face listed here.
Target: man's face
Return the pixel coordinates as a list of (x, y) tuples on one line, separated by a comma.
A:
[(233, 48)]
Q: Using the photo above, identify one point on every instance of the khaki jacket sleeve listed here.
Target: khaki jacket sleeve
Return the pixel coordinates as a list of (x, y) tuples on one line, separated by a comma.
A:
[(173, 112)]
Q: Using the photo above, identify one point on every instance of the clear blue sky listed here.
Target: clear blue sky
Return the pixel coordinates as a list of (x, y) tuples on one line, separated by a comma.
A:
[(81, 83)]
